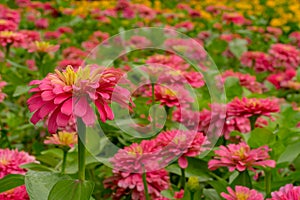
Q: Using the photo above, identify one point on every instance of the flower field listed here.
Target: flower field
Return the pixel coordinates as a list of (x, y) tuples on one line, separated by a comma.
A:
[(150, 100)]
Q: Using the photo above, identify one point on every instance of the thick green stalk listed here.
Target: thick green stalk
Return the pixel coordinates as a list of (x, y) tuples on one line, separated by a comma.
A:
[(252, 121), (81, 149), (182, 185), (145, 186), (268, 182), (63, 166)]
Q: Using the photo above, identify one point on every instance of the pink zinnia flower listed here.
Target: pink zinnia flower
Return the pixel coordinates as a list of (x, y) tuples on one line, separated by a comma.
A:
[(62, 138), (41, 23), (187, 25), (128, 166), (284, 55), (139, 42), (287, 192), (172, 61), (173, 96), (252, 107), (52, 35), (242, 193), (280, 79), (7, 25), (2, 85), (18, 193), (259, 61), (10, 161), (246, 80), (295, 37), (56, 94), (188, 47), (240, 157), (178, 143), (132, 184), (42, 47), (234, 18), (11, 38), (274, 31), (75, 63), (31, 36)]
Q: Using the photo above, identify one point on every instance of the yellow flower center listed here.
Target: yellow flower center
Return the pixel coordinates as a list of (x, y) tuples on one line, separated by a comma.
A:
[(3, 21), (3, 161), (69, 76), (67, 138), (42, 46), (240, 153), (7, 33), (138, 150), (242, 196), (169, 92)]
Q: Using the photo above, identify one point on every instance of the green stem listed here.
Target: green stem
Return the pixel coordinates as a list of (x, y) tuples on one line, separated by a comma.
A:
[(192, 195), (154, 111), (182, 184), (7, 51), (252, 121), (63, 167), (81, 149), (268, 182), (145, 186)]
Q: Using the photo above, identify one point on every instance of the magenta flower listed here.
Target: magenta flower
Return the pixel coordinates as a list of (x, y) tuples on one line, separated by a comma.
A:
[(287, 192), (252, 107), (182, 144), (65, 95), (11, 38), (240, 157), (242, 193), (259, 61), (173, 96), (246, 80), (2, 85), (128, 166), (234, 18), (284, 55), (8, 25), (295, 37), (10, 161), (172, 61), (123, 184), (18, 193)]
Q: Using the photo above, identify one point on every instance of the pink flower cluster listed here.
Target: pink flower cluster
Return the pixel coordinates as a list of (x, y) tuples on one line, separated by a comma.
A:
[(240, 157), (242, 193), (10, 162), (288, 192)]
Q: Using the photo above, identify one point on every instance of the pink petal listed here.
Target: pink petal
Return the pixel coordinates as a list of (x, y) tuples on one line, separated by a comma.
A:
[(89, 118), (183, 163), (66, 108), (62, 119), (81, 107)]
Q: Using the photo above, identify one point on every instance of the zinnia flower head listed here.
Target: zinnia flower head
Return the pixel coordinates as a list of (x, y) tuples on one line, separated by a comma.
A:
[(65, 95), (287, 192), (246, 80), (240, 157), (11, 38), (10, 161), (295, 37), (62, 138), (176, 96), (2, 84), (234, 18), (178, 143), (284, 55), (132, 184), (172, 61), (252, 107), (42, 47), (7, 25), (260, 61), (242, 193), (18, 193)]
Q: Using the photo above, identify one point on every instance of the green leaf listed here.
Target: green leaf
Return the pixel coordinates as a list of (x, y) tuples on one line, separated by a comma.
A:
[(211, 194), (72, 190), (11, 181), (196, 167), (39, 184), (290, 154), (37, 167), (238, 47), (21, 89), (260, 136), (243, 179), (233, 88)]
